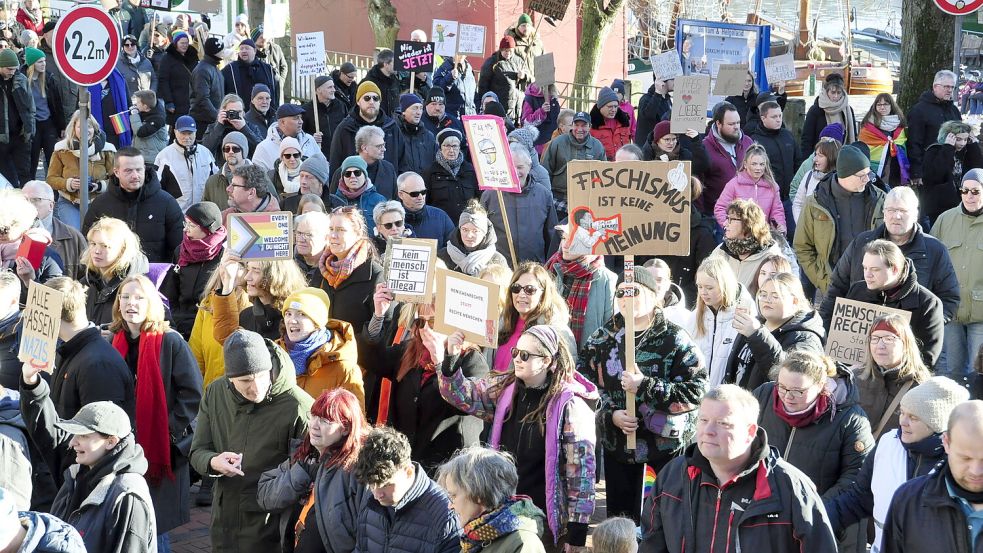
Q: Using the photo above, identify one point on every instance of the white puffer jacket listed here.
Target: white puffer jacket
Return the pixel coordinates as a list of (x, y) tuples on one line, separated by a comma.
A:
[(720, 335), (190, 172)]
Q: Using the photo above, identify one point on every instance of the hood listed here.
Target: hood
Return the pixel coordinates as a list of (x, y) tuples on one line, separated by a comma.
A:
[(49, 534), (806, 321), (582, 388), (846, 392), (534, 90), (340, 349), (10, 409), (674, 296), (596, 119), (126, 457), (284, 378), (531, 518), (744, 179)]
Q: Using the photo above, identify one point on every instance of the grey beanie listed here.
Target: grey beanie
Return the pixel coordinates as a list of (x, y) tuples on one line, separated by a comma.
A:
[(643, 277), (245, 354), (317, 166), (974, 175), (605, 96), (527, 137), (932, 401), (239, 139), (850, 161)]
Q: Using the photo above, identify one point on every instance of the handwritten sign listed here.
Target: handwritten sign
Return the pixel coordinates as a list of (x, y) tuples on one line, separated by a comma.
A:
[(689, 108), (162, 5), (490, 153), (629, 207), (847, 339), (544, 69), (310, 54), (258, 236), (444, 33), (275, 17), (414, 56), (730, 79), (41, 320), (666, 65), (550, 8), (469, 305), (780, 68), (409, 266), (471, 39)]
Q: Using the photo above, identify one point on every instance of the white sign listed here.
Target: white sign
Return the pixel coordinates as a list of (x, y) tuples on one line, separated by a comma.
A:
[(469, 305), (409, 266), (310, 54), (86, 45), (444, 33), (666, 65), (780, 68), (471, 39), (275, 20)]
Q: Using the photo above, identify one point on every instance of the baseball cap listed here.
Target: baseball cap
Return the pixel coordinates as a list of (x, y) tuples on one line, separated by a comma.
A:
[(582, 116), (104, 417), (186, 123)]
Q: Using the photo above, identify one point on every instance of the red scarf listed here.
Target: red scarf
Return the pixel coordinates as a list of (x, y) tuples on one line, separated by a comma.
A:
[(582, 272), (153, 432), (199, 251), (809, 416)]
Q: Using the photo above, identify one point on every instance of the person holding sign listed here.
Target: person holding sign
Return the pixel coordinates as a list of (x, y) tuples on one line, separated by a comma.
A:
[(329, 111), (539, 413), (586, 284), (471, 247), (654, 106), (668, 377)]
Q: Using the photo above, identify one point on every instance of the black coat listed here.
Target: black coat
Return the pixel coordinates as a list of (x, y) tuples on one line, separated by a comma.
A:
[(389, 86), (88, 369), (930, 256), (240, 77), (343, 92), (924, 120), (448, 192), (174, 81), (154, 215), (185, 286), (418, 147), (100, 294), (940, 184), (329, 117), (814, 125), (260, 123), (753, 357), (690, 150), (783, 154), (10, 366), (652, 108), (743, 103), (207, 90), (343, 141)]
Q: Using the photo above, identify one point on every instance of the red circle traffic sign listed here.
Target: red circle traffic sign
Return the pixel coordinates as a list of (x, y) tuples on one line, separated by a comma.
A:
[(959, 7), (87, 45)]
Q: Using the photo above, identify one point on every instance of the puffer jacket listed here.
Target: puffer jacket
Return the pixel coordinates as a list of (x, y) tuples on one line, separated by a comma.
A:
[(185, 170), (674, 380), (924, 120), (334, 365), (815, 233), (769, 506), (207, 90), (962, 236), (722, 167), (343, 141), (762, 192), (753, 357), (832, 449), (612, 136), (48, 534), (459, 92), (718, 340), (206, 349), (262, 432), (419, 146), (532, 216), (174, 81), (449, 192), (561, 151), (65, 164)]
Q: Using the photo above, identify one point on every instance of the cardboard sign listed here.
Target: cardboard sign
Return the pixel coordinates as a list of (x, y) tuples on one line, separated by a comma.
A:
[(730, 79), (310, 54), (629, 207), (550, 8), (490, 153), (689, 106), (468, 305), (41, 320), (409, 266), (780, 68), (162, 5), (205, 6), (471, 39), (444, 33), (847, 338), (666, 65), (414, 56), (544, 69), (258, 236)]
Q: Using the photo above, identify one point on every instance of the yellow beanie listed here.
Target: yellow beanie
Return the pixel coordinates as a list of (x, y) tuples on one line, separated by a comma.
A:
[(312, 302)]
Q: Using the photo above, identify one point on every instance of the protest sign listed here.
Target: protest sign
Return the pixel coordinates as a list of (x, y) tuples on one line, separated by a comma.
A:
[(310, 54), (471, 39), (469, 305), (444, 33), (730, 79), (409, 266), (629, 207), (414, 56), (544, 69), (550, 8), (490, 153), (205, 6), (275, 17), (41, 320), (162, 5), (689, 108), (258, 236), (780, 68), (666, 65), (847, 338)]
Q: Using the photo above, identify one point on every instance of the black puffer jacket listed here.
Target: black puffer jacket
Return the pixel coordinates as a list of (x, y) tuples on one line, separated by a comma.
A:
[(783, 154), (831, 450), (419, 146), (753, 357), (448, 192), (924, 120), (174, 81), (652, 108)]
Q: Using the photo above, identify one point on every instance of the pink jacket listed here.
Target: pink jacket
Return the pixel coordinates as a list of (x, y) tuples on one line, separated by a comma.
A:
[(763, 193), (630, 110)]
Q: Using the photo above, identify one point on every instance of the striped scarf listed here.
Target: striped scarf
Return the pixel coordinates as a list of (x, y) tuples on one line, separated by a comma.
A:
[(884, 145), (581, 271)]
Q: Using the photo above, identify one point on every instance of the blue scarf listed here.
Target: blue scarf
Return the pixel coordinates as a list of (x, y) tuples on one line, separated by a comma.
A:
[(301, 351), (117, 88)]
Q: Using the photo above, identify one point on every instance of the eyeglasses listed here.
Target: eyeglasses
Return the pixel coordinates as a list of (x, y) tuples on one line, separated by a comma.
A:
[(529, 289), (525, 355), (896, 211), (353, 173), (864, 177), (971, 191), (415, 193), (765, 296), (888, 340), (451, 146), (39, 200), (370, 98), (291, 156), (380, 146), (240, 186), (627, 291), (394, 224), (231, 149), (303, 235), (791, 392)]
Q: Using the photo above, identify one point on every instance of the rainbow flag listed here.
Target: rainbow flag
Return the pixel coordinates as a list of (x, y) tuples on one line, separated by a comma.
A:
[(120, 122), (648, 481)]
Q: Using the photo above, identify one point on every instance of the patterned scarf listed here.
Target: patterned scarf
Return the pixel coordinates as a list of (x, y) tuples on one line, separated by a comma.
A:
[(492, 525), (582, 270), (884, 145), (199, 251), (740, 247), (452, 166), (335, 271), (301, 351), (839, 112)]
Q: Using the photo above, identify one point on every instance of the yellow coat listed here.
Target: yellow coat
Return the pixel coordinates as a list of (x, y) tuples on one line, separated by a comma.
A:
[(335, 365), (206, 349)]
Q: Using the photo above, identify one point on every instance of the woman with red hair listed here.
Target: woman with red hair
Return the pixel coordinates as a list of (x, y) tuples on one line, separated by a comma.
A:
[(325, 458)]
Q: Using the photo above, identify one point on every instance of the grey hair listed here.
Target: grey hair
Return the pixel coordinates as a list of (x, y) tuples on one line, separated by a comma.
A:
[(382, 208), (518, 150), (49, 192), (903, 194), (364, 134), (315, 219), (15, 210), (229, 98), (486, 476), (27, 36), (973, 175), (740, 399), (405, 177), (944, 74)]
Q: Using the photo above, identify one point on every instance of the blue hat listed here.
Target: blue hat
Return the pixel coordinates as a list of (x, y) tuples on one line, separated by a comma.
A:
[(288, 110), (248, 42), (408, 100), (186, 123), (618, 86)]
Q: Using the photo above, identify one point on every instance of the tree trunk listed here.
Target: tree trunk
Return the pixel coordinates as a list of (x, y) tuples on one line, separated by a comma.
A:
[(596, 20), (384, 23), (926, 47)]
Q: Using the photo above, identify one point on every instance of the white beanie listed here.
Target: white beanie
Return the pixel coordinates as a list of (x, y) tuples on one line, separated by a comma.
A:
[(933, 400)]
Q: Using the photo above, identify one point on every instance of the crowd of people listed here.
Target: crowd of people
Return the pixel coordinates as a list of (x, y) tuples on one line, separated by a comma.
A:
[(315, 413)]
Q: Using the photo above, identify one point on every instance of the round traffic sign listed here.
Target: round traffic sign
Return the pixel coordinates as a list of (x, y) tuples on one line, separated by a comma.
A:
[(959, 7), (86, 45)]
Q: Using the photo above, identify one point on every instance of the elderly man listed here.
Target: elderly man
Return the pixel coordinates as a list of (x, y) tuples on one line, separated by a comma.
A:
[(234, 153), (310, 240), (426, 221), (289, 122), (366, 113), (231, 117), (577, 144), (933, 108), (383, 75), (730, 489), (250, 191), (330, 113), (419, 145), (183, 167), (313, 177), (247, 71), (67, 242)]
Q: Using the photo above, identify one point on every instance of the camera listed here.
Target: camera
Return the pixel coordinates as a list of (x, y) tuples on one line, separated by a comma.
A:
[(232, 114)]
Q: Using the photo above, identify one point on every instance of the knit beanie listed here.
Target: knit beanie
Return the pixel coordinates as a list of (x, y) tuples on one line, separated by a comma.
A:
[(365, 87), (524, 18), (834, 131), (8, 58), (354, 161), (32, 55), (547, 336), (662, 128), (246, 353), (320, 80), (248, 42), (933, 400), (207, 215), (618, 86), (506, 42), (476, 218), (448, 132), (526, 136), (605, 96), (256, 33), (973, 175), (312, 302), (178, 35), (239, 139), (214, 46), (850, 161), (489, 94), (257, 88), (408, 100), (317, 167), (289, 142), (436, 93), (643, 277), (885, 326)]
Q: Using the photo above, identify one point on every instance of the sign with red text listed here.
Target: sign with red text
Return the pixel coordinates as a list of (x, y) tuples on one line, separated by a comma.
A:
[(468, 305), (41, 320), (847, 338), (490, 153), (414, 56), (689, 106)]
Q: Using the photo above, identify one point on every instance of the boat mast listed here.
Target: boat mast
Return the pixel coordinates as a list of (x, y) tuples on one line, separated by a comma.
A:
[(801, 51)]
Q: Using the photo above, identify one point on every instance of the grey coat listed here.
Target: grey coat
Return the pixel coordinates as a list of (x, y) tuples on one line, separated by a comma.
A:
[(207, 90), (531, 218), (138, 76), (564, 149)]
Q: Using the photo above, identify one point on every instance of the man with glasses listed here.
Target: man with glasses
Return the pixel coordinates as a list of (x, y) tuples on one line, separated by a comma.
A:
[(842, 207), (234, 149), (137, 70), (230, 118), (933, 108), (367, 112), (383, 75), (344, 84), (289, 123), (435, 116), (330, 113), (426, 221), (66, 241), (310, 241), (250, 191)]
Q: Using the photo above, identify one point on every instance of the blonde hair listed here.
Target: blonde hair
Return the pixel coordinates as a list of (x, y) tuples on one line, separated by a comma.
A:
[(130, 250), (911, 366), (810, 364), (789, 285), (156, 322), (500, 275), (757, 149), (41, 77), (719, 270), (73, 294), (280, 278), (614, 535), (70, 128), (753, 218)]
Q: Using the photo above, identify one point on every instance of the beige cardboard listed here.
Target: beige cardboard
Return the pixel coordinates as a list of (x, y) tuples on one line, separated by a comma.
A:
[(409, 268), (41, 320), (468, 305), (847, 338), (544, 70), (730, 79), (689, 105)]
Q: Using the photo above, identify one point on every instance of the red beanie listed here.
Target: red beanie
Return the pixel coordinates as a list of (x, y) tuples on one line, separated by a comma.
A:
[(661, 129), (507, 42)]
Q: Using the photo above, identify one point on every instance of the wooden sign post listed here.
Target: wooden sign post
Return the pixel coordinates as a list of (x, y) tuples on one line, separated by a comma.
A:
[(629, 316)]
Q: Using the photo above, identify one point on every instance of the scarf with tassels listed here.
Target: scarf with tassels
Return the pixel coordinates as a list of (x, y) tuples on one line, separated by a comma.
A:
[(885, 145), (491, 525), (581, 271), (335, 271)]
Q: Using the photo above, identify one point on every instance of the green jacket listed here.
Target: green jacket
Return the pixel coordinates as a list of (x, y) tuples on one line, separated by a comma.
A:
[(262, 433), (963, 237)]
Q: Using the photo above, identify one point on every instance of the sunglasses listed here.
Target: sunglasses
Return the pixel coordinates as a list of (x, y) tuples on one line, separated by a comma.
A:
[(370, 98), (627, 292), (394, 224), (415, 193), (525, 355), (128, 44), (420, 322), (529, 289), (231, 149), (353, 173), (291, 156), (973, 191)]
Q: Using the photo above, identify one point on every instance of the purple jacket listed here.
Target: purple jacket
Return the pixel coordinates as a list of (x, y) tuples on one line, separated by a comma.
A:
[(723, 167)]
